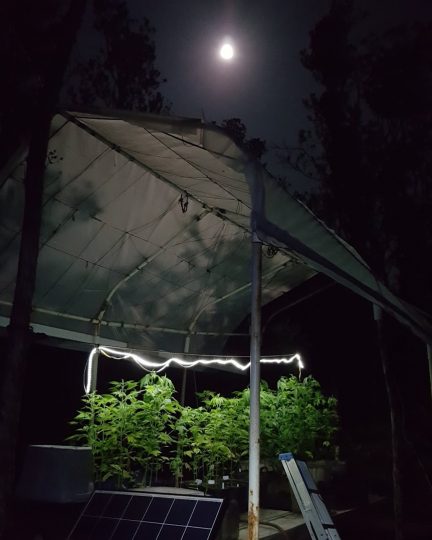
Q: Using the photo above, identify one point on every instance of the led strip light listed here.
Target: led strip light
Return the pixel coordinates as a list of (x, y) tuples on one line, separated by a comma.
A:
[(151, 365)]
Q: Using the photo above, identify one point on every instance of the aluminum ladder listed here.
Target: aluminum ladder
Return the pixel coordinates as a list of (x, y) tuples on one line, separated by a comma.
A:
[(318, 521)]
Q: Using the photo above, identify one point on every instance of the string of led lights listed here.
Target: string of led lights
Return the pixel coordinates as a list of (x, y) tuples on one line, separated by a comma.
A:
[(158, 366)]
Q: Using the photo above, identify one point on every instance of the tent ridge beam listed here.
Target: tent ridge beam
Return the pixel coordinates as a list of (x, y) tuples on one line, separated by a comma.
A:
[(118, 324)]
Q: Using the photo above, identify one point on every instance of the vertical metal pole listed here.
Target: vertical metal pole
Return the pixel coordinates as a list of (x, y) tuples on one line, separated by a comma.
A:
[(429, 355), (93, 371), (254, 419), (184, 378)]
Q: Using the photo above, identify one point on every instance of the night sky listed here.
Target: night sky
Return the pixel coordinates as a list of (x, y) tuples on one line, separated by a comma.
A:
[(266, 83)]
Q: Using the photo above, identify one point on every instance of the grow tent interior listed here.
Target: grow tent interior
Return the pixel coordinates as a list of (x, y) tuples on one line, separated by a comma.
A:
[(146, 236)]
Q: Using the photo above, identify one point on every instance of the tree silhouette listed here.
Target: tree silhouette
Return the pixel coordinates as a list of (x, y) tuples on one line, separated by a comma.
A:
[(369, 147), (27, 55), (122, 73), (44, 40), (237, 130)]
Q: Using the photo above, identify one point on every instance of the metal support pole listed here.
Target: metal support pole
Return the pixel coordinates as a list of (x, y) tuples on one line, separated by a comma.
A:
[(429, 355), (93, 367), (254, 419), (184, 378)]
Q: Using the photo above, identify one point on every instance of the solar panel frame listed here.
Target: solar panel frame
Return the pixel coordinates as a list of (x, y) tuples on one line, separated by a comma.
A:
[(134, 515)]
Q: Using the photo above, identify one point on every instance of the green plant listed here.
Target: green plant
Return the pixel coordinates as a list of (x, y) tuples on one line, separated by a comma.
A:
[(189, 430), (129, 429), (226, 431), (297, 417), (139, 426), (212, 438)]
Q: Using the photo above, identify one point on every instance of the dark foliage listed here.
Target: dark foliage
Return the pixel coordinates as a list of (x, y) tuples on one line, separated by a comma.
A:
[(27, 57), (40, 50), (237, 130), (370, 145), (369, 148), (122, 73)]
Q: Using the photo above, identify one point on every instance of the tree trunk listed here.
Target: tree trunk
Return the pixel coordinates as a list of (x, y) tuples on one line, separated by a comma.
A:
[(19, 333), (396, 421)]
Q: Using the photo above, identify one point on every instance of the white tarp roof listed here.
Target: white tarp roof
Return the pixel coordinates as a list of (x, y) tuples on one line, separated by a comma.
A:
[(120, 258)]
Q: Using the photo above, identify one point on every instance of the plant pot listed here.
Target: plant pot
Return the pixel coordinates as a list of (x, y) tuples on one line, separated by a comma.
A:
[(276, 492), (234, 496), (323, 470)]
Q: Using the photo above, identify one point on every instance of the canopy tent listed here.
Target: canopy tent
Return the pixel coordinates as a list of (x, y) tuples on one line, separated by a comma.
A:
[(144, 240), (145, 243)]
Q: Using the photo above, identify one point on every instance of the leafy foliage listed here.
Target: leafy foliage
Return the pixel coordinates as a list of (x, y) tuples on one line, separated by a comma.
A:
[(122, 74), (29, 57), (369, 144), (369, 148), (296, 417), (237, 130), (128, 429), (140, 426)]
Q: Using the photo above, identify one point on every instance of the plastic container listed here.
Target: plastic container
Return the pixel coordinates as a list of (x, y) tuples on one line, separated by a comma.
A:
[(57, 474)]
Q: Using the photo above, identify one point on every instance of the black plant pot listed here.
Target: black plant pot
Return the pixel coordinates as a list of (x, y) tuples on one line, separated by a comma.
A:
[(235, 502), (276, 493)]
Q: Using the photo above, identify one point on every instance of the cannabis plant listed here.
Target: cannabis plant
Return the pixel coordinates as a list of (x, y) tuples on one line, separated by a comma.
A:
[(139, 426), (297, 417), (211, 439), (129, 429)]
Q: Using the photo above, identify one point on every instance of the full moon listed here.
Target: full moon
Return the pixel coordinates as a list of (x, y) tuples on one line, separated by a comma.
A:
[(226, 51)]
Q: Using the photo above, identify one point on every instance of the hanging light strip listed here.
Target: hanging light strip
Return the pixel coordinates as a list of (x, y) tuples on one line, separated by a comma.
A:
[(151, 365)]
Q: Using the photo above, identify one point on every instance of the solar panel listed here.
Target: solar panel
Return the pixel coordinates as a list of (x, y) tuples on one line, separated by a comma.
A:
[(125, 515)]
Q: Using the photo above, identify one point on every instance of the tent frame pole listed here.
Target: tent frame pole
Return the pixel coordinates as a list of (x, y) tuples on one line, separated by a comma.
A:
[(255, 373), (184, 375), (94, 372)]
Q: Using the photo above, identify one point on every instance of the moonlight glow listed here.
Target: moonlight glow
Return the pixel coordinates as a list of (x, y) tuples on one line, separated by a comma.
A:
[(226, 51)]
